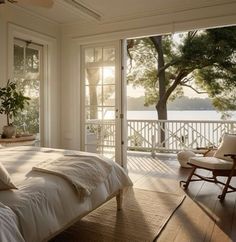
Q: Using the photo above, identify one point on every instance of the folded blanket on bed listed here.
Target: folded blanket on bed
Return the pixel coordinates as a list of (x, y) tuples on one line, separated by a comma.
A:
[(85, 173)]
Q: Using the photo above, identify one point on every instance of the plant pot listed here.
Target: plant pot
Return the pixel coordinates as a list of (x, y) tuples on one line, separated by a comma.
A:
[(8, 131)]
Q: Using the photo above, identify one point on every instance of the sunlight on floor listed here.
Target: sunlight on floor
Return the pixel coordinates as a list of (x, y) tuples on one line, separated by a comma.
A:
[(143, 162)]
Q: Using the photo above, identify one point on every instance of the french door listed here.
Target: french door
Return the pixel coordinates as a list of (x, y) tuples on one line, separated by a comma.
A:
[(27, 73), (101, 100)]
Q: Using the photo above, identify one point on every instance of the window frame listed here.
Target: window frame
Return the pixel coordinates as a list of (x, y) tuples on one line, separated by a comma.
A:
[(51, 86), (39, 48)]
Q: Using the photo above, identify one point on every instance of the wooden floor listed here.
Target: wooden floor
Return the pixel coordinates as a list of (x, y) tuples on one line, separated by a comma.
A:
[(202, 217)]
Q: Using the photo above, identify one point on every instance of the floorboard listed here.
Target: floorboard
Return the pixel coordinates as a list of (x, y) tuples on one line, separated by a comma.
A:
[(202, 217)]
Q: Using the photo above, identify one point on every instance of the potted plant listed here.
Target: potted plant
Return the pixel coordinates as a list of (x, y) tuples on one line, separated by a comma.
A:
[(11, 102)]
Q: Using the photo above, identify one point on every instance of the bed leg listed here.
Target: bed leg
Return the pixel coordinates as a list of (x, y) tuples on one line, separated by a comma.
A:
[(119, 199)]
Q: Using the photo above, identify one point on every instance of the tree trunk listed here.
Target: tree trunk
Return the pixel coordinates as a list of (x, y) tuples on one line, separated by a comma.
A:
[(162, 115), (93, 102), (93, 79), (161, 105), (161, 108)]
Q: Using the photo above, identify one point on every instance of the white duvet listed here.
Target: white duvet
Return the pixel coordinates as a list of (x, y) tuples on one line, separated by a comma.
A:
[(83, 172), (9, 226), (44, 203)]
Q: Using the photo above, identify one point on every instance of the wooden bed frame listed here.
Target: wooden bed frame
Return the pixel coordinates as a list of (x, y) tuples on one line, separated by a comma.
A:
[(119, 201)]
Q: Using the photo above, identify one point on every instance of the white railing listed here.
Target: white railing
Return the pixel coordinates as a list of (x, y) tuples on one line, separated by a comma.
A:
[(100, 135), (179, 134), (145, 135)]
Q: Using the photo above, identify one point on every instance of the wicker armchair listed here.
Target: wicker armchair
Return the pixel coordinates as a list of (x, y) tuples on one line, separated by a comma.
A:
[(222, 163)]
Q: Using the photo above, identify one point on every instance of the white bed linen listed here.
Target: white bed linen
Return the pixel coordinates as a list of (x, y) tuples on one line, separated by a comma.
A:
[(84, 172), (9, 226), (45, 203)]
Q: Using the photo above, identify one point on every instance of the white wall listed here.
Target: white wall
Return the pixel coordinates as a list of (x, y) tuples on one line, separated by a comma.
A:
[(75, 34), (15, 20), (70, 94)]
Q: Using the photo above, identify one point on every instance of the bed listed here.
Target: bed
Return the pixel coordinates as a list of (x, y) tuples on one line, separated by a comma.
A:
[(46, 203)]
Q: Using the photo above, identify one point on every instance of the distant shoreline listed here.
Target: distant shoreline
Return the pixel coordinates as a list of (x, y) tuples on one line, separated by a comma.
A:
[(153, 109), (183, 103), (207, 115)]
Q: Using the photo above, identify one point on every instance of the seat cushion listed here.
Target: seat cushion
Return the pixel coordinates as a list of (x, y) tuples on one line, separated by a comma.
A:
[(211, 163)]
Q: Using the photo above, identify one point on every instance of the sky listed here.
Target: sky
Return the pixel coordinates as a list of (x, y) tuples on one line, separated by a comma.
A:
[(134, 92)]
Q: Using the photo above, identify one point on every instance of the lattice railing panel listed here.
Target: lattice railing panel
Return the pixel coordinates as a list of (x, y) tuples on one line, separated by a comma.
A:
[(178, 134), (146, 134)]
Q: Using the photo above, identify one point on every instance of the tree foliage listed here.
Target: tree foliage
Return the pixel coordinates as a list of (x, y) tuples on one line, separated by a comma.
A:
[(203, 60)]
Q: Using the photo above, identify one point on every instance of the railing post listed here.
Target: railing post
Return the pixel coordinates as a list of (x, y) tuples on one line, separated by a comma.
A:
[(232, 128), (153, 153)]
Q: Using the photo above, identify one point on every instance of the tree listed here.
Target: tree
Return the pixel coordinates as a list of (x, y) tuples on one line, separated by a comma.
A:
[(203, 60), (93, 77)]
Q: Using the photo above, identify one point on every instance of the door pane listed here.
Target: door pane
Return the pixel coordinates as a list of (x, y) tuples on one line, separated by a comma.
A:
[(93, 76), (109, 95), (109, 75), (93, 113), (93, 95), (109, 113), (89, 55), (97, 54), (109, 54)]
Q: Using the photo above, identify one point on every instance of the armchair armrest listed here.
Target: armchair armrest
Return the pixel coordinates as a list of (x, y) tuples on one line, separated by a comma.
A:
[(206, 151), (233, 156), (207, 148)]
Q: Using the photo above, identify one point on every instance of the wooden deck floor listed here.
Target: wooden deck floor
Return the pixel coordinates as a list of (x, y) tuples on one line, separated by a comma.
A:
[(202, 217)]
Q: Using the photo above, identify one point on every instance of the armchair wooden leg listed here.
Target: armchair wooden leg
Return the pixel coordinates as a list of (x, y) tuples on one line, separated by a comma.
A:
[(186, 183), (223, 194)]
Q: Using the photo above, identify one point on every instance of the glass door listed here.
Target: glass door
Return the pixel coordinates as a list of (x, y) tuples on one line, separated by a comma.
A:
[(101, 99), (27, 73)]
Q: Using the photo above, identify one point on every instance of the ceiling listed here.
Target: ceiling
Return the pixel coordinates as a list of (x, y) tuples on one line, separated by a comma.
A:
[(101, 11)]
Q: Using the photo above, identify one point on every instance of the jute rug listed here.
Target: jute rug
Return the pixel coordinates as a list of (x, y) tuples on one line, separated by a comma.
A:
[(144, 215)]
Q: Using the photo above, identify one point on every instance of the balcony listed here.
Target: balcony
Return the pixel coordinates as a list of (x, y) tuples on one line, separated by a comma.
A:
[(202, 217), (145, 135)]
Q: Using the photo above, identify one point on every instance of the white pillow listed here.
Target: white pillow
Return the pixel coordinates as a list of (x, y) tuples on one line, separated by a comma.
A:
[(5, 179), (227, 146), (184, 156)]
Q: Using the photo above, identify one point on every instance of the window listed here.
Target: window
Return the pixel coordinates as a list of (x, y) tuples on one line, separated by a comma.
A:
[(27, 75)]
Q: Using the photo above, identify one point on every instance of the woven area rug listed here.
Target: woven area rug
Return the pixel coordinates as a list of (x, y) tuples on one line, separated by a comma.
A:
[(144, 215)]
